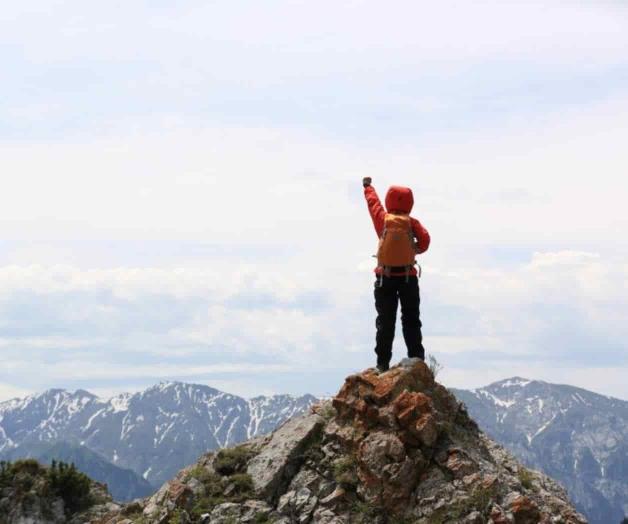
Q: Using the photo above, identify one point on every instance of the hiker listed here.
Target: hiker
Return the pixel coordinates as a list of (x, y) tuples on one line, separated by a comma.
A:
[(397, 278)]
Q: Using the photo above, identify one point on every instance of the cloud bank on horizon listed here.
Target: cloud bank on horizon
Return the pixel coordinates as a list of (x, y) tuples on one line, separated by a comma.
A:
[(182, 194)]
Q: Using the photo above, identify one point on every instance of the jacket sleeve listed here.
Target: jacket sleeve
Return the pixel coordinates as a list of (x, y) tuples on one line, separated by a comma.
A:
[(376, 209), (421, 235)]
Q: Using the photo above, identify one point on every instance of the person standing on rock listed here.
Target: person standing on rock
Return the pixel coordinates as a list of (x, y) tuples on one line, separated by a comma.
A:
[(401, 238)]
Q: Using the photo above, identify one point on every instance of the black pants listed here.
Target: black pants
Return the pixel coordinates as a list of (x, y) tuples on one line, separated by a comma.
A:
[(392, 291)]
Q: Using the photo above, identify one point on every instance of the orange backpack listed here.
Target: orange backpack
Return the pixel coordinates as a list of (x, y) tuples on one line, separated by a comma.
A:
[(396, 245)]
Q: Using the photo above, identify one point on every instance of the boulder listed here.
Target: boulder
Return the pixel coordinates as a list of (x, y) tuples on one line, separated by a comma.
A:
[(279, 460)]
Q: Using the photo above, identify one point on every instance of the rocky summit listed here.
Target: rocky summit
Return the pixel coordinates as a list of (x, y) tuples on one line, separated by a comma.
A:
[(395, 447)]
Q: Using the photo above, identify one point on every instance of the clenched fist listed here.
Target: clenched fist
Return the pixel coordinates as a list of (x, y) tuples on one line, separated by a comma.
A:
[(366, 181)]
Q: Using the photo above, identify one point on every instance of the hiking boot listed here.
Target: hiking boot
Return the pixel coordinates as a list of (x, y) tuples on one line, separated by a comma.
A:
[(382, 368), (410, 361)]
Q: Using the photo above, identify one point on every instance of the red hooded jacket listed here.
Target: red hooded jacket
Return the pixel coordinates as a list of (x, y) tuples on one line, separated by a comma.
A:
[(398, 199)]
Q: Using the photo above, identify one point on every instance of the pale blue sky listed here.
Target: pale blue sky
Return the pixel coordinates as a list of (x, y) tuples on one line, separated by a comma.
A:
[(182, 195)]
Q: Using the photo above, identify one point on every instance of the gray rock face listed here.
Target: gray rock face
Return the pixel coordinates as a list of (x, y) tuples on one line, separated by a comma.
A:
[(578, 437), (251, 511), (277, 463), (154, 433)]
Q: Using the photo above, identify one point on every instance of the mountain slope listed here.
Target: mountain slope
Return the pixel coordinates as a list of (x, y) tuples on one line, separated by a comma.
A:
[(154, 432), (576, 436), (123, 484), (391, 448)]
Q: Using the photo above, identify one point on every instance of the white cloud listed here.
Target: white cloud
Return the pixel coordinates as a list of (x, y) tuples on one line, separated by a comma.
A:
[(130, 283), (562, 258), (85, 370), (8, 391), (560, 277), (266, 187), (296, 291), (484, 321), (235, 39), (206, 219)]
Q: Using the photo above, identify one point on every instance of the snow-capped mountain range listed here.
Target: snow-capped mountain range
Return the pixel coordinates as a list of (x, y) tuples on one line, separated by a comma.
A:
[(576, 436), (155, 432)]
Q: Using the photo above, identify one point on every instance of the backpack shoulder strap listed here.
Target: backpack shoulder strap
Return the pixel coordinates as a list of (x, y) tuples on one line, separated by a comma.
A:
[(385, 228)]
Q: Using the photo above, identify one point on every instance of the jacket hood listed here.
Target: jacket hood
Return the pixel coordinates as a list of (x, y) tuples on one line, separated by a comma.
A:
[(399, 198)]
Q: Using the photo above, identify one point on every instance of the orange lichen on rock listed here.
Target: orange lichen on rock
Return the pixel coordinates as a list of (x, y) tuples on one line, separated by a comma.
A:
[(393, 417), (392, 400), (525, 510)]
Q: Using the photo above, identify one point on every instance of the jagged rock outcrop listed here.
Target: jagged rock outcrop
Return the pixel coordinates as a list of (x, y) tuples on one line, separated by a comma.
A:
[(395, 447)]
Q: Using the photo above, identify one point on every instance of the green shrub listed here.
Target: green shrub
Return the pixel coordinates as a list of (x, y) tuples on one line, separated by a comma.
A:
[(345, 471), (479, 500), (200, 473), (203, 505), (20, 474), (60, 480), (327, 410), (243, 483), (71, 485), (176, 517), (401, 520), (230, 475), (137, 517), (214, 486), (232, 460), (28, 466), (364, 513), (525, 477), (264, 518)]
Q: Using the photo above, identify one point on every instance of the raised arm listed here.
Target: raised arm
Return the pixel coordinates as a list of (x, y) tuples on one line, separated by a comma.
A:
[(375, 206)]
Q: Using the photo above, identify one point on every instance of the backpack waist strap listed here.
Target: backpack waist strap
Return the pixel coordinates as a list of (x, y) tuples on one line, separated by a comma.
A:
[(397, 269)]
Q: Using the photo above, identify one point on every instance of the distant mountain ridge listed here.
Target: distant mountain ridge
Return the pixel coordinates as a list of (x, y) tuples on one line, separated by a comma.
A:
[(578, 437), (154, 432)]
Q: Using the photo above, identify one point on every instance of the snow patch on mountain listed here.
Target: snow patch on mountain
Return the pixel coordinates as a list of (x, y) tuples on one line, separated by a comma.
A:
[(513, 382), (496, 400), (120, 403)]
